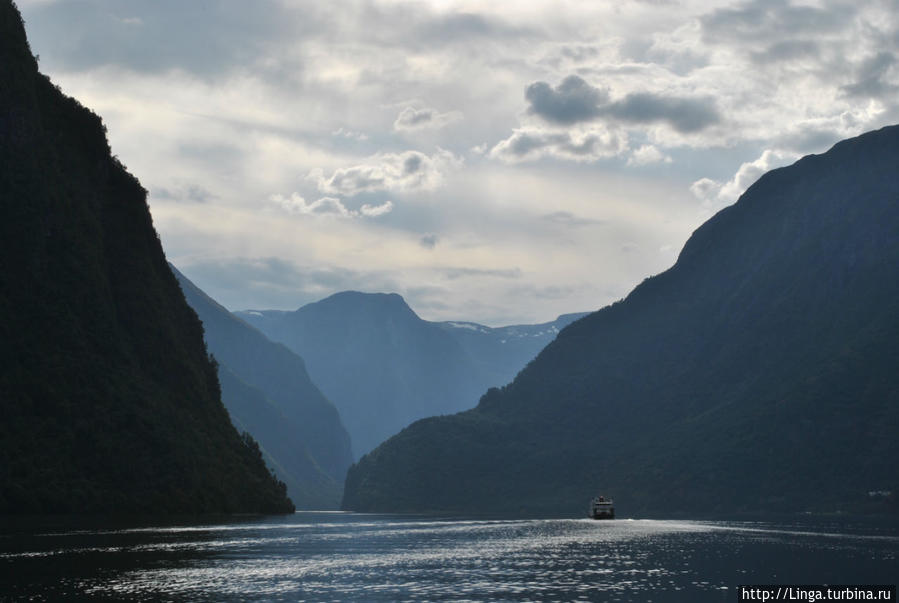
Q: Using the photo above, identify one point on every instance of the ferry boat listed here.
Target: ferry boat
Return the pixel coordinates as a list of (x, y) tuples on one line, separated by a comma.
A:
[(602, 508)]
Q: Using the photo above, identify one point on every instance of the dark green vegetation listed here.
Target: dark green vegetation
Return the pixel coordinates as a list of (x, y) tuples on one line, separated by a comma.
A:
[(108, 400), (268, 393), (758, 374), (379, 363)]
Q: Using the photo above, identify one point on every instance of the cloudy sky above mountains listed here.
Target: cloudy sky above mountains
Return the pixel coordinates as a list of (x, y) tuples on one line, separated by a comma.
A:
[(489, 163)]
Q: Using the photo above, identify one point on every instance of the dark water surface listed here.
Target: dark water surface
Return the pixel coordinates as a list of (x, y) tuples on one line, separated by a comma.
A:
[(343, 557)]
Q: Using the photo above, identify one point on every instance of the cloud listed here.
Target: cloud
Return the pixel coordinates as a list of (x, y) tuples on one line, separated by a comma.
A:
[(716, 195), (575, 101), (873, 75), (408, 171), (465, 28), (811, 137), (208, 39), (760, 20), (686, 115), (457, 273), (240, 103), (296, 204), (646, 155), (191, 193), (565, 218), (572, 101), (787, 50), (528, 144), (424, 118), (274, 283), (373, 211), (350, 134), (428, 241)]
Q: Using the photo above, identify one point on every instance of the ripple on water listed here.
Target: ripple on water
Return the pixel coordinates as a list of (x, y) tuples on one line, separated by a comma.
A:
[(347, 557)]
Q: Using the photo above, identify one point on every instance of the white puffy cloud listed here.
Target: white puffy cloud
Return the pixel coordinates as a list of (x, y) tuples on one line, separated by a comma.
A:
[(412, 118), (373, 211), (350, 134), (716, 195), (407, 171), (296, 204), (646, 155), (589, 144)]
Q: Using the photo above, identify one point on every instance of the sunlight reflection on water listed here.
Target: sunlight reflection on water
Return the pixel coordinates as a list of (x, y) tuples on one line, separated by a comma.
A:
[(322, 557)]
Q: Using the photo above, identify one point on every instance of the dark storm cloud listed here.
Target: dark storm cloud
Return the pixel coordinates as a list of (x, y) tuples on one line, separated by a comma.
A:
[(576, 101), (826, 37), (788, 50), (412, 164), (685, 115), (770, 20), (872, 77), (462, 28), (572, 101)]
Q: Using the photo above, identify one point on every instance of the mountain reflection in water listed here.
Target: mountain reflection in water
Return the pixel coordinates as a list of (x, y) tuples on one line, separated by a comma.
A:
[(343, 556)]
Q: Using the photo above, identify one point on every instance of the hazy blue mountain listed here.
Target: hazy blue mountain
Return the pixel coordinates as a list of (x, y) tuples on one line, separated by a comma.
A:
[(109, 402), (377, 361), (500, 352), (340, 336), (267, 391), (759, 373)]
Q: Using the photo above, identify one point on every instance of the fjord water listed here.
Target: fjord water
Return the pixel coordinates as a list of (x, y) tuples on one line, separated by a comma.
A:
[(344, 556)]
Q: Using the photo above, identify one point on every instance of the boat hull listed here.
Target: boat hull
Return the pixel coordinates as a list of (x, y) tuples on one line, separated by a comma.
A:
[(602, 508)]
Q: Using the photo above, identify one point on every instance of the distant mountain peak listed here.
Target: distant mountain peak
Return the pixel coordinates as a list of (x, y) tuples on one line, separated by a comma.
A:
[(354, 302)]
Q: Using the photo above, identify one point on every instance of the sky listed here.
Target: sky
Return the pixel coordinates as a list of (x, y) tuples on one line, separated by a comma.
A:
[(498, 162)]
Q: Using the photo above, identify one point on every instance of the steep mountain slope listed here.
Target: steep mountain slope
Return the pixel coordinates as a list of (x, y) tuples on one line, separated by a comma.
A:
[(759, 373), (381, 365), (500, 352), (267, 391), (109, 401)]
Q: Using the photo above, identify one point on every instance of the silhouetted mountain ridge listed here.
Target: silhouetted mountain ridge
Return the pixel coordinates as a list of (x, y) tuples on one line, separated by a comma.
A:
[(108, 398), (759, 373)]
